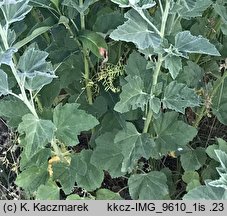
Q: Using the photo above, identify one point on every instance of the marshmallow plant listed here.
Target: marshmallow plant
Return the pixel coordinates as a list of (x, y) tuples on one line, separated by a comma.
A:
[(114, 89)]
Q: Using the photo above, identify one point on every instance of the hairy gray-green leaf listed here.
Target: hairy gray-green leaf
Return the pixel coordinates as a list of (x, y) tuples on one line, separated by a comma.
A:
[(172, 133), (105, 194), (193, 160), (122, 3), (132, 95), (70, 122), (38, 81), (80, 8), (134, 145), (155, 104), (151, 186), (136, 66), (13, 110), (32, 60), (93, 177), (107, 155), (222, 145), (143, 4), (192, 75), (37, 132), (192, 8), (174, 65), (14, 11), (206, 192), (34, 68), (31, 178), (185, 43), (140, 4), (6, 56), (189, 175), (178, 96), (136, 30), (64, 174), (222, 171), (52, 194), (40, 158), (191, 178), (4, 87)]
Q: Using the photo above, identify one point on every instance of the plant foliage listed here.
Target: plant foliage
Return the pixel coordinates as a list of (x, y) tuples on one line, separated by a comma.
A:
[(106, 91)]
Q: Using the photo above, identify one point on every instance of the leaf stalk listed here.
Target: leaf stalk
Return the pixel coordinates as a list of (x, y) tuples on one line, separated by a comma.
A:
[(86, 63)]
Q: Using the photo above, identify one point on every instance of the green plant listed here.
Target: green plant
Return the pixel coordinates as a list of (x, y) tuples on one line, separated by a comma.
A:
[(120, 87)]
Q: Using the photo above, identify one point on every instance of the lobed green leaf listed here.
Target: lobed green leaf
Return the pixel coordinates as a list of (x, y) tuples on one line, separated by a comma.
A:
[(185, 43), (150, 186), (107, 155), (178, 96), (15, 11), (136, 30), (38, 133), (70, 122), (134, 145), (172, 133)]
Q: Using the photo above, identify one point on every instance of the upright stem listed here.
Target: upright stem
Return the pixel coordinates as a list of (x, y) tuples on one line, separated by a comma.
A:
[(160, 5), (164, 18), (158, 66), (86, 63), (3, 34), (22, 96)]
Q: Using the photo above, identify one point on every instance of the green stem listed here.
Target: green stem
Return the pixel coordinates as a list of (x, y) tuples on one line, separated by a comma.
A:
[(39, 104), (160, 5), (164, 18), (158, 67), (154, 83), (3, 34), (78, 44), (74, 24), (147, 121), (86, 63)]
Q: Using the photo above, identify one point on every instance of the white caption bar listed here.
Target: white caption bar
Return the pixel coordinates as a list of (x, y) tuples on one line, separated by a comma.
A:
[(111, 208)]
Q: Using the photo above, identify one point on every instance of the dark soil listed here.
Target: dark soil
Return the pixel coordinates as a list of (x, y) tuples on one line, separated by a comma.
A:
[(209, 130), (5, 172)]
